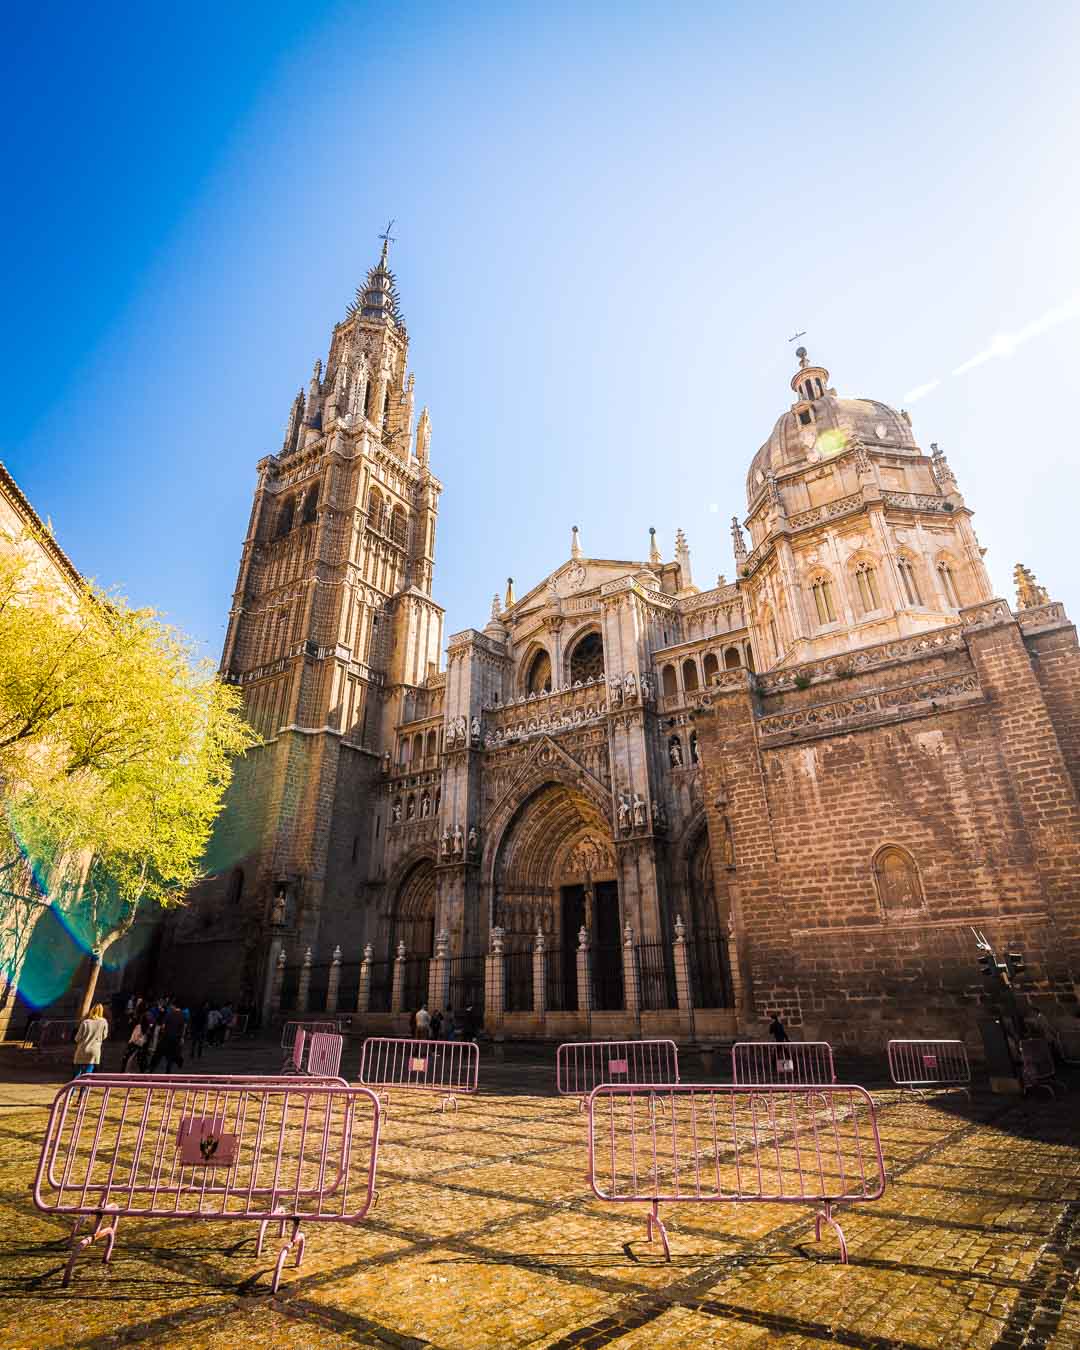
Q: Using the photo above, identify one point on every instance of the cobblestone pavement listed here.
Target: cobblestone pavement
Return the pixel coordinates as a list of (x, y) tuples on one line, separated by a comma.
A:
[(485, 1235)]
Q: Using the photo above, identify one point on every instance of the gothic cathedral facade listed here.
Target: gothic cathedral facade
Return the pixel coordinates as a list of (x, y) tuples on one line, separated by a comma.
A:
[(808, 783)]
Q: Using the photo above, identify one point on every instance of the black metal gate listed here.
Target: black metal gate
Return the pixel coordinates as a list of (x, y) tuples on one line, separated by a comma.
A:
[(518, 975), (382, 986), (607, 978), (467, 983), (414, 989), (656, 976), (710, 970)]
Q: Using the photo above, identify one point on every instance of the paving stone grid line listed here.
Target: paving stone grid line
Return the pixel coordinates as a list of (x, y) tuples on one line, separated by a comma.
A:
[(768, 1284)]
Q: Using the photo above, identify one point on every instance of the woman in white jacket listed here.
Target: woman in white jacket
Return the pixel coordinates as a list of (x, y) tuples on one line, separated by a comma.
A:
[(89, 1039)]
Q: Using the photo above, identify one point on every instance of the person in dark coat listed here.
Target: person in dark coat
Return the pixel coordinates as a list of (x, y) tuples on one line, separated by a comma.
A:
[(777, 1030)]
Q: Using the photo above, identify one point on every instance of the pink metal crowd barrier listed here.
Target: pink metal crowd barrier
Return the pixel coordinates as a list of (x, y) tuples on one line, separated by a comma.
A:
[(929, 1064), (449, 1068), (582, 1065), (667, 1144), (789, 1062), (316, 1053), (289, 1030), (174, 1147)]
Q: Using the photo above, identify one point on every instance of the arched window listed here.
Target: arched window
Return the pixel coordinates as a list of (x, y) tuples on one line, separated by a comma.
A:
[(948, 583), (385, 420), (712, 667), (667, 678), (417, 749), (731, 659), (369, 401), (403, 751), (749, 657), (236, 886), (693, 748), (432, 745), (587, 659), (538, 679), (909, 581), (285, 517), (399, 526), (866, 583), (897, 880), (689, 675), (375, 509), (821, 589)]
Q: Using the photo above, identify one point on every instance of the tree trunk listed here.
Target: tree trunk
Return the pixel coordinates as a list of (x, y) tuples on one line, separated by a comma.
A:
[(91, 983)]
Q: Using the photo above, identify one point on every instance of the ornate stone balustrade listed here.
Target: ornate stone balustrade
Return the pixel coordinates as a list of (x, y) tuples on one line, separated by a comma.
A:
[(987, 613), (869, 708), (562, 709), (915, 501), (1042, 616), (938, 641)]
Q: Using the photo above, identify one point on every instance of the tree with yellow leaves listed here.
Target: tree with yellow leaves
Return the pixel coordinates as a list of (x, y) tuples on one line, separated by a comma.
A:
[(116, 748)]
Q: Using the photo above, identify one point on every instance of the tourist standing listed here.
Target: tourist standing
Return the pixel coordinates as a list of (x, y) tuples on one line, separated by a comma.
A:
[(423, 1022), (89, 1039)]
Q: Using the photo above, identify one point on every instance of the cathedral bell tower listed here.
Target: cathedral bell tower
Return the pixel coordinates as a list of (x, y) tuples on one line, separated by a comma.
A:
[(332, 621)]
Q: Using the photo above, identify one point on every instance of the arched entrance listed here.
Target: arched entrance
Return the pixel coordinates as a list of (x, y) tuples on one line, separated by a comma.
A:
[(412, 921), (708, 909), (554, 872)]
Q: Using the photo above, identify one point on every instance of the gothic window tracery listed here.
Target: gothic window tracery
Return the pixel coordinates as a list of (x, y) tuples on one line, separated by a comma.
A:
[(909, 580), (897, 880), (538, 678), (866, 584), (587, 658), (285, 517), (375, 509), (948, 583), (311, 504), (821, 589), (399, 526)]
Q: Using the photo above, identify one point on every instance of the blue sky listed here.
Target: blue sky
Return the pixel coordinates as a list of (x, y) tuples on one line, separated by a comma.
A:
[(610, 218)]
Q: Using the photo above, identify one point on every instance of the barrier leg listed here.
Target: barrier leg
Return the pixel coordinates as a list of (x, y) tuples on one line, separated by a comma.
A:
[(448, 1100), (102, 1229), (654, 1221), (297, 1241), (826, 1215)]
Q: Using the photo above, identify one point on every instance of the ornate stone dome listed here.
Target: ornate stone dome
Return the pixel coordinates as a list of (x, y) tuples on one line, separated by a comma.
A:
[(820, 424)]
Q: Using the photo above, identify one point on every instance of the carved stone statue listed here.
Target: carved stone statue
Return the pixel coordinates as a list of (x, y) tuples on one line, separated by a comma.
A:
[(646, 689), (277, 909), (410, 808), (425, 806), (624, 813), (675, 754), (396, 813), (630, 687), (639, 811), (475, 728), (615, 695), (459, 841), (474, 839), (659, 816), (446, 843)]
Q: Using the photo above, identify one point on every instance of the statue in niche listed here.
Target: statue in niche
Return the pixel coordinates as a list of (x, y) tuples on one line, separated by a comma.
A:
[(459, 841), (616, 696), (659, 816), (624, 813), (646, 689), (639, 811), (425, 806), (386, 761), (395, 813), (446, 843), (410, 808), (474, 839), (630, 687), (675, 753), (475, 728)]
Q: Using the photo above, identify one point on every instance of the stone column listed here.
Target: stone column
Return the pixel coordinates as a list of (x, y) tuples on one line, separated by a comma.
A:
[(398, 992), (539, 975), (683, 988), (439, 973), (584, 984), (334, 981), (277, 980), (363, 994), (630, 973), (305, 984), (733, 965), (495, 980)]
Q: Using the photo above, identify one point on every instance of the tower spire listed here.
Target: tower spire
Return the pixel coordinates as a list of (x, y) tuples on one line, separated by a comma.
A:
[(387, 239)]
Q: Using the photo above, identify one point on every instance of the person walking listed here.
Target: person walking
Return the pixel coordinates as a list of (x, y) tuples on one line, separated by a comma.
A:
[(777, 1030), (198, 1029), (423, 1022), (136, 1046), (89, 1039), (436, 1025), (170, 1046)]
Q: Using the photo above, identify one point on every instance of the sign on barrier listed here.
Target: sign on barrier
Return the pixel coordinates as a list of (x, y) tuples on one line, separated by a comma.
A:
[(289, 1030), (582, 1065), (790, 1062), (692, 1143), (129, 1146), (926, 1064), (449, 1068)]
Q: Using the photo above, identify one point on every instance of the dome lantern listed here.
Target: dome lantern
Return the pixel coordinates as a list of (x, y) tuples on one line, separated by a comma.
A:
[(809, 382)]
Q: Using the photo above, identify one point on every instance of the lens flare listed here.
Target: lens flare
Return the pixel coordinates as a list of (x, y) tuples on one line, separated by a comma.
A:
[(831, 441)]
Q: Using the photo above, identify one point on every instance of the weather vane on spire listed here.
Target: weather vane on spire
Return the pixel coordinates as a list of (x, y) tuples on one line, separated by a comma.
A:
[(387, 239)]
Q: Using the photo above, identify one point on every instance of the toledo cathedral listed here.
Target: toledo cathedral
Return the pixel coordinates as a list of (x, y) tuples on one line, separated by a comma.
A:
[(626, 803)]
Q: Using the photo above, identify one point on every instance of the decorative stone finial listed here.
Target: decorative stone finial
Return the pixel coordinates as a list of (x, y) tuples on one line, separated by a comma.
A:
[(497, 934), (627, 935), (737, 539), (1028, 591), (509, 592), (401, 950), (336, 957), (583, 938), (575, 543), (307, 957), (369, 953), (804, 360), (539, 938), (939, 465), (281, 958), (654, 552), (495, 605), (680, 929)]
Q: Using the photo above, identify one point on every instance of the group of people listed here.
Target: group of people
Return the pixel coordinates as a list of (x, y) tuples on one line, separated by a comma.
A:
[(437, 1026), (158, 1031)]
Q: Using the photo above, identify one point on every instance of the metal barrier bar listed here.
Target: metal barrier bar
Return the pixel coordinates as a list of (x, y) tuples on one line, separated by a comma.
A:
[(450, 1068), (582, 1065), (289, 1029), (786, 1062), (926, 1064), (131, 1146), (660, 1143)]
